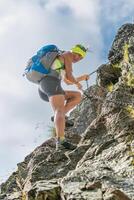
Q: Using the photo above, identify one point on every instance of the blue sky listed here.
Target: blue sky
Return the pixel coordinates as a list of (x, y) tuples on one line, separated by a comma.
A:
[(25, 26)]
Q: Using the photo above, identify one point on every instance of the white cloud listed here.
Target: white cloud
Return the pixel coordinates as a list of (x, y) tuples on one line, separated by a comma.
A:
[(116, 11)]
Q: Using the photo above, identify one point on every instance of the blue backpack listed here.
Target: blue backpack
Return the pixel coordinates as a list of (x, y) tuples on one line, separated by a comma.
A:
[(40, 64)]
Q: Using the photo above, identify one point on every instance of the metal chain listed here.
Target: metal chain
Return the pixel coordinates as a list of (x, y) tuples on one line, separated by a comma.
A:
[(120, 103)]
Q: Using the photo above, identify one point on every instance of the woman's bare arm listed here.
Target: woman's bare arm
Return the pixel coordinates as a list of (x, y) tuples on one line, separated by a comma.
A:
[(82, 78), (69, 78), (68, 69)]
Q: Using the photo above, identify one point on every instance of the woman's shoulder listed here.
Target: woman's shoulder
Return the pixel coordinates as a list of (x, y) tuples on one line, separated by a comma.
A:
[(67, 55)]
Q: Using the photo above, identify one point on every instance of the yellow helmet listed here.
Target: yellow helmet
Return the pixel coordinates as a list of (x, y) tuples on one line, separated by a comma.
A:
[(79, 49)]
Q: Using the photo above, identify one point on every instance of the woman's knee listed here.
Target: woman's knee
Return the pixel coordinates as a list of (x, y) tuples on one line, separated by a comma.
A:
[(78, 96), (59, 113), (57, 102)]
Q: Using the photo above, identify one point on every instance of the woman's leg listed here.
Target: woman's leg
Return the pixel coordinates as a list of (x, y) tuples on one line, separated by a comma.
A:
[(72, 98), (57, 103)]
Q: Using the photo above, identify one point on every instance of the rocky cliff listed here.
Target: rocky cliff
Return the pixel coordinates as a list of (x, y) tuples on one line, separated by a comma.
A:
[(102, 165)]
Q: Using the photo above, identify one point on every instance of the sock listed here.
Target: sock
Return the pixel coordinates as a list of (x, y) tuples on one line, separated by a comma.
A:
[(60, 139)]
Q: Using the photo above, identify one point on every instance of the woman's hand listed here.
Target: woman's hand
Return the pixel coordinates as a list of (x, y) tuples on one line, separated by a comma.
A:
[(67, 81), (79, 86), (86, 77), (83, 77)]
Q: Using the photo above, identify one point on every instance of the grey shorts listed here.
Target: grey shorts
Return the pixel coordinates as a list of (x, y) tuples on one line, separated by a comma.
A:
[(50, 86)]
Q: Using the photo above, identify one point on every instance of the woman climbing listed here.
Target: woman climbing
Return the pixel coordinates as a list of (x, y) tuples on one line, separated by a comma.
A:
[(63, 101)]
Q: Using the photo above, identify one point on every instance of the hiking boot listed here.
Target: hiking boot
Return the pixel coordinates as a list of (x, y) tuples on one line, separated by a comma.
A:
[(60, 145), (68, 123)]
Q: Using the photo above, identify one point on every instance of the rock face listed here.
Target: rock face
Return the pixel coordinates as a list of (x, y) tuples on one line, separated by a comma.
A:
[(102, 165)]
